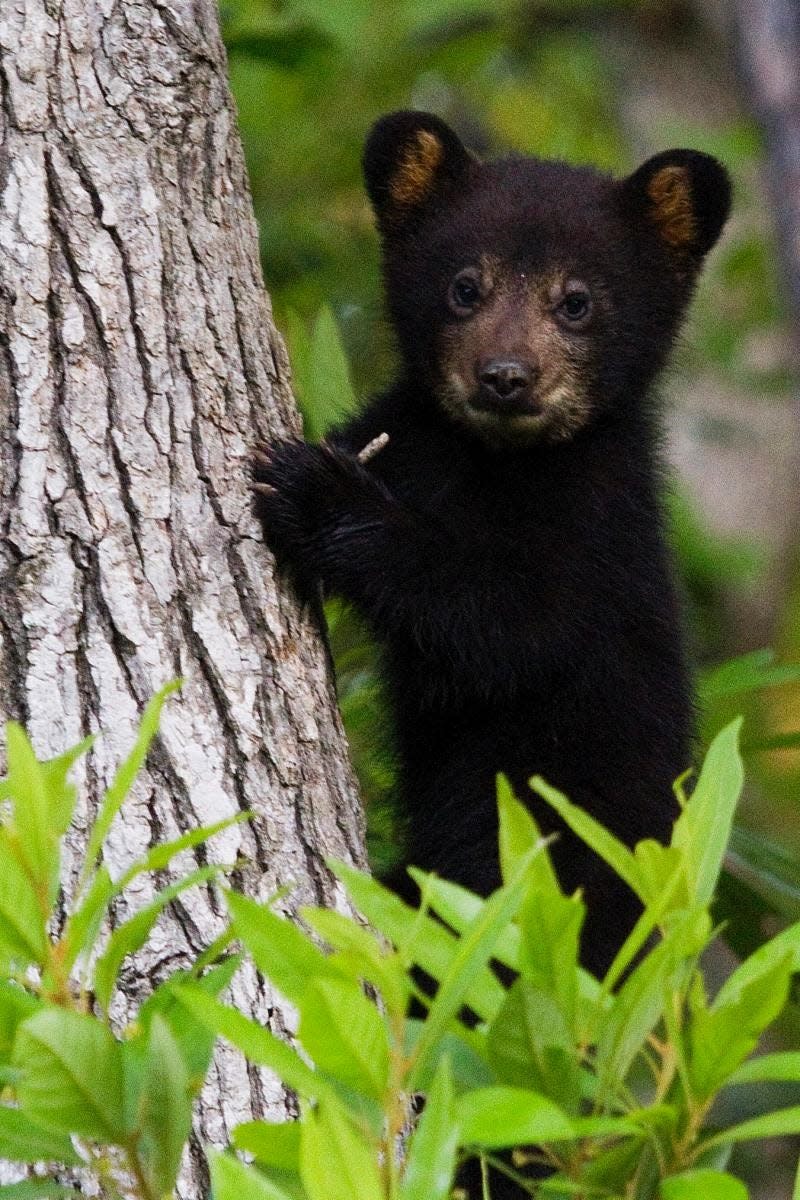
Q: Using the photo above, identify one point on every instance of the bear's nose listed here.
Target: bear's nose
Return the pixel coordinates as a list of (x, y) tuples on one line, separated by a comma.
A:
[(506, 377)]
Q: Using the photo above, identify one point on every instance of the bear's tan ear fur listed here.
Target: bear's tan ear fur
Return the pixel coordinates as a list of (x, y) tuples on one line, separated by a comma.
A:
[(410, 160), (672, 212), (414, 176), (685, 195)]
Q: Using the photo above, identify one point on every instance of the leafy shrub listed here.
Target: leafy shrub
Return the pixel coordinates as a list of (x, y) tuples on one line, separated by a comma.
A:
[(75, 1087), (613, 1081)]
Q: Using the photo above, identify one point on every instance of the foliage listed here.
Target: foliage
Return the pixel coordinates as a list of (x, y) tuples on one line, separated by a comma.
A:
[(76, 1090), (609, 1086)]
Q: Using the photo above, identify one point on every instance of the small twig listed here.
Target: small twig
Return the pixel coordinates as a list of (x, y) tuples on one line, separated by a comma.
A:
[(372, 448)]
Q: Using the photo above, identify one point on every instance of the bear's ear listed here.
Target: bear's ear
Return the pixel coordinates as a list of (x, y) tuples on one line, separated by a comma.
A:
[(685, 194), (410, 160)]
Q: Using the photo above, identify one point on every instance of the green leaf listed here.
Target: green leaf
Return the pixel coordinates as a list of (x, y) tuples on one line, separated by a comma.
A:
[(275, 1145), (23, 930), (518, 834), (559, 1185), (749, 673), (767, 868), (457, 905), (672, 894), (783, 1066), (790, 740), (530, 1046), (36, 1189), (164, 1116), (737, 675), (215, 958), (218, 976), (702, 831), (781, 1123), (258, 1044), (431, 1154), (419, 938), (295, 47), (81, 929), (475, 948), (321, 373), (71, 1076), (38, 844), (551, 926), (336, 1162), (465, 1051), (134, 1059), (162, 855), (723, 1036), (761, 962), (25, 1140), (612, 1169), (61, 795), (16, 1005), (592, 1008), (232, 1180), (128, 937), (659, 871), (281, 951), (458, 908), (639, 1003), (194, 1039), (703, 1185), (361, 955), (606, 1127), (596, 836), (496, 1117), (345, 1035), (123, 780)]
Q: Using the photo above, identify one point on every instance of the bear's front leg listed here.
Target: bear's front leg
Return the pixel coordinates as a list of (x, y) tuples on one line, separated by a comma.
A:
[(316, 503)]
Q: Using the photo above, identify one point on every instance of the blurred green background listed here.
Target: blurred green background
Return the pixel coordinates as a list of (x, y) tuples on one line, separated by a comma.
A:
[(588, 81)]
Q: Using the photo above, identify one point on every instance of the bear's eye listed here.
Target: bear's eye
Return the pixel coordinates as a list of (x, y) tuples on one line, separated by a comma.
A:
[(465, 292), (576, 307)]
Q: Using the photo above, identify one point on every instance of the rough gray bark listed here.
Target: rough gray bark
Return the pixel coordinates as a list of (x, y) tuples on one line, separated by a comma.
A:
[(138, 363), (768, 45), (768, 37)]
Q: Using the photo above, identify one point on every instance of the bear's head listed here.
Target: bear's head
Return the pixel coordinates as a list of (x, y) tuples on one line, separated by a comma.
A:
[(530, 296)]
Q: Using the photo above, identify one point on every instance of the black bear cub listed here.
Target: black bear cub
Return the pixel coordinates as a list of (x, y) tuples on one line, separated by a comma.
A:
[(507, 544)]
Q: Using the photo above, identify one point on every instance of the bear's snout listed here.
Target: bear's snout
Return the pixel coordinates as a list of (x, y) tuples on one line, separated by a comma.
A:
[(506, 383)]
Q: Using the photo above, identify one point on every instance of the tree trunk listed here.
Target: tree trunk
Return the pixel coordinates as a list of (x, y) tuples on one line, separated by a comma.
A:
[(768, 37), (138, 364), (768, 47)]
